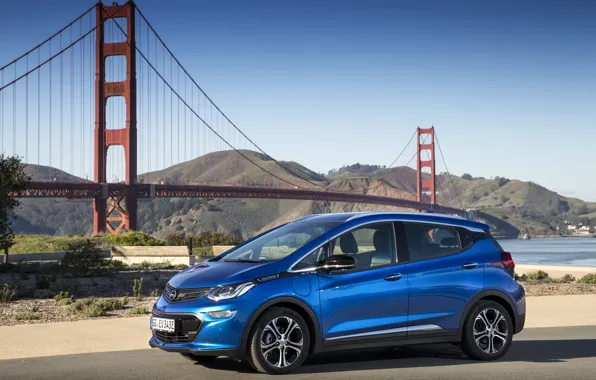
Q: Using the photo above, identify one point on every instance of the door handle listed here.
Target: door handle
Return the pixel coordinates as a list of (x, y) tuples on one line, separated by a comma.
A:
[(393, 277), (469, 265)]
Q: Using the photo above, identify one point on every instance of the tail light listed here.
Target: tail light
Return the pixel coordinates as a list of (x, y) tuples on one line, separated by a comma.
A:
[(506, 261)]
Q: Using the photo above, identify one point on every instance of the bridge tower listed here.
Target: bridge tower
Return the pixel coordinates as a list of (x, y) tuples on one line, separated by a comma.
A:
[(425, 158), (122, 210)]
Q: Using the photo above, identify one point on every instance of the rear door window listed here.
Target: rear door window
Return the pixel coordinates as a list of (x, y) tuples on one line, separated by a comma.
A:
[(426, 241)]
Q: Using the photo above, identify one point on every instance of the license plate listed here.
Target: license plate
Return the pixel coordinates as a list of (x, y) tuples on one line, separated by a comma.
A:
[(162, 324)]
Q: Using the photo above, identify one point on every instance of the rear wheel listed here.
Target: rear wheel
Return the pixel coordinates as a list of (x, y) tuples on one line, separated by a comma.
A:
[(279, 343), (199, 359), (488, 331)]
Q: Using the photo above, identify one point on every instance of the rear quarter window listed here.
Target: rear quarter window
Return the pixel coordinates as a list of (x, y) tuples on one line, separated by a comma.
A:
[(468, 237)]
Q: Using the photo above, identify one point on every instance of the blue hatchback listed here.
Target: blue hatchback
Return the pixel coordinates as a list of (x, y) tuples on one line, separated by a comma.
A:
[(345, 281)]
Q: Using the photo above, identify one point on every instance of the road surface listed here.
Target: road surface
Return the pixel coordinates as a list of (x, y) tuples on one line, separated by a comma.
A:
[(540, 353)]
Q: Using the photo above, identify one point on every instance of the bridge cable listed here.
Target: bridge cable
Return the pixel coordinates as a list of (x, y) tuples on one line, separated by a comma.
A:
[(49, 60), (217, 108), (202, 120), (449, 173), (390, 165), (48, 39)]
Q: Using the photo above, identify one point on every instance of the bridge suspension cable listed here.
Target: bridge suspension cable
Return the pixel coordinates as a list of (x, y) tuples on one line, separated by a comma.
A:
[(449, 173), (220, 111), (208, 125)]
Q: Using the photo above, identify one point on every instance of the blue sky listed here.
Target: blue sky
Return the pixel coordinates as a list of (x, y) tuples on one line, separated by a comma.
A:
[(509, 85)]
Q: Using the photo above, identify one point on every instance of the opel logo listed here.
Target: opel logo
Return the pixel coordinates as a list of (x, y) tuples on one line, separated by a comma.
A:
[(172, 294)]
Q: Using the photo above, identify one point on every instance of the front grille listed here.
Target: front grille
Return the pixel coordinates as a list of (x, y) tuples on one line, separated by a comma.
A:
[(179, 337), (187, 328), (172, 294)]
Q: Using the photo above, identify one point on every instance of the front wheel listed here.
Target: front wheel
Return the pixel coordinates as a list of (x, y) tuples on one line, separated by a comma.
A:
[(279, 342), (488, 331)]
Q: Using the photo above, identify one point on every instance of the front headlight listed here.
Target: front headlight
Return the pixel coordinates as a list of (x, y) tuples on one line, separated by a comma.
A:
[(229, 291)]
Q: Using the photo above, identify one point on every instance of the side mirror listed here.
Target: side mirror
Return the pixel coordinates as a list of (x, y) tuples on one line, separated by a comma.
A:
[(338, 262)]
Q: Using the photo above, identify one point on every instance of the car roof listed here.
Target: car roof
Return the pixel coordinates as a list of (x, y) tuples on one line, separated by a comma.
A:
[(430, 217)]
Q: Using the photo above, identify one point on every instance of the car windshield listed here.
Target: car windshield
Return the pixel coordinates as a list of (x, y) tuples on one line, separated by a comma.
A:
[(280, 242)]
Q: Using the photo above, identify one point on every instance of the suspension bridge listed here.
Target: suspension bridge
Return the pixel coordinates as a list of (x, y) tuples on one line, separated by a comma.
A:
[(104, 110)]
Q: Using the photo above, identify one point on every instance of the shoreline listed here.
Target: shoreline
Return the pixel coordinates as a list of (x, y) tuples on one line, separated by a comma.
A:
[(546, 237)]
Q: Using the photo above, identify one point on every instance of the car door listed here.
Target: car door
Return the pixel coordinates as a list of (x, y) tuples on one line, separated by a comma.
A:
[(442, 277), (369, 302)]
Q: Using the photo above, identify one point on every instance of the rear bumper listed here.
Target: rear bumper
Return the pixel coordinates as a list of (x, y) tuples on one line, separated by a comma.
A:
[(231, 352)]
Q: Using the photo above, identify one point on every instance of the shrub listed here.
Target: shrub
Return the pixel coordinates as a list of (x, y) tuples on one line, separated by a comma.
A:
[(42, 282), (538, 276), (523, 277), (92, 307), (567, 278), (134, 239), (64, 298), (139, 311), (27, 316), (176, 238), (7, 292), (137, 288), (109, 304), (83, 259), (590, 279)]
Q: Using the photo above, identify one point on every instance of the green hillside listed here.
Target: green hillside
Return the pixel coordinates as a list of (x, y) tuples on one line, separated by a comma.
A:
[(522, 204)]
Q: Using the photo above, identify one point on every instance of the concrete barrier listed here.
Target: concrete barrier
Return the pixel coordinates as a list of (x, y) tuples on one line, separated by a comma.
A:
[(554, 271), (45, 256), (219, 249), (136, 255)]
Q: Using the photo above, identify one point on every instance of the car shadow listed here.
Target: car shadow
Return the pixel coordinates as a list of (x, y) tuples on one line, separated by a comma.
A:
[(537, 351)]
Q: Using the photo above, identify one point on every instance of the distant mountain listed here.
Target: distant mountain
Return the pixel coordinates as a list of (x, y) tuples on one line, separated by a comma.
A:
[(522, 204)]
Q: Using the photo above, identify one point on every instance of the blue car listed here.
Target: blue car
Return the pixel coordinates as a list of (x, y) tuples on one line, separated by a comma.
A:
[(345, 281)]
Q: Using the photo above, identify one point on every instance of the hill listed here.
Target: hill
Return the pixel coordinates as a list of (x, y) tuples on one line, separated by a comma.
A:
[(523, 204)]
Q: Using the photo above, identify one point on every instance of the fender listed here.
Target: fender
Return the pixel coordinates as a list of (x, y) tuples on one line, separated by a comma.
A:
[(483, 294), (316, 344)]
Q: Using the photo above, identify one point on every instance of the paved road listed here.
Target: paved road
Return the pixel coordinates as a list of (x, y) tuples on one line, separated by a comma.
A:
[(540, 353)]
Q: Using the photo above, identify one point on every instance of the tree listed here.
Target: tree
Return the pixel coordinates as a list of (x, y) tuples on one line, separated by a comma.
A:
[(467, 176), (13, 179)]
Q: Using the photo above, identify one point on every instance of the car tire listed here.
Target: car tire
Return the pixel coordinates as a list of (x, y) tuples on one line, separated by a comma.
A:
[(199, 358), (279, 331), (487, 332)]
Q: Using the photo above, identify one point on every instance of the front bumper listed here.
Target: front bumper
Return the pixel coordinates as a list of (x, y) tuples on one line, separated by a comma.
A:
[(230, 352), (197, 332)]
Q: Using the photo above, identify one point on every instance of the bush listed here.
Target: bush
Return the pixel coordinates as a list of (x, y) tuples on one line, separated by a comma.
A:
[(109, 304), (64, 298), (7, 292), (48, 243), (42, 282), (133, 239), (92, 307), (27, 316), (567, 278), (523, 277), (83, 259), (137, 288), (176, 238), (538, 276), (139, 311), (590, 279)]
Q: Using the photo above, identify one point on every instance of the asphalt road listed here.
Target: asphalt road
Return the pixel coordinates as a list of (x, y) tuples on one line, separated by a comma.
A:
[(545, 353)]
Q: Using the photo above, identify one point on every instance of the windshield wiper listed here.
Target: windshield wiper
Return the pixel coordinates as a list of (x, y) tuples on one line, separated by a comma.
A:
[(244, 261)]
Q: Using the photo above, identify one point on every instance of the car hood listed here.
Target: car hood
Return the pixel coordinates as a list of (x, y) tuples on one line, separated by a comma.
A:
[(214, 273)]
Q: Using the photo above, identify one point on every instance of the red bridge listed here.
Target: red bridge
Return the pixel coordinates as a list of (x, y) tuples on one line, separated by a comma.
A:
[(105, 95)]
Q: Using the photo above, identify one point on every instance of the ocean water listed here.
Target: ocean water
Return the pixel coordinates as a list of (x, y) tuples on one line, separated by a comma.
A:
[(555, 251)]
